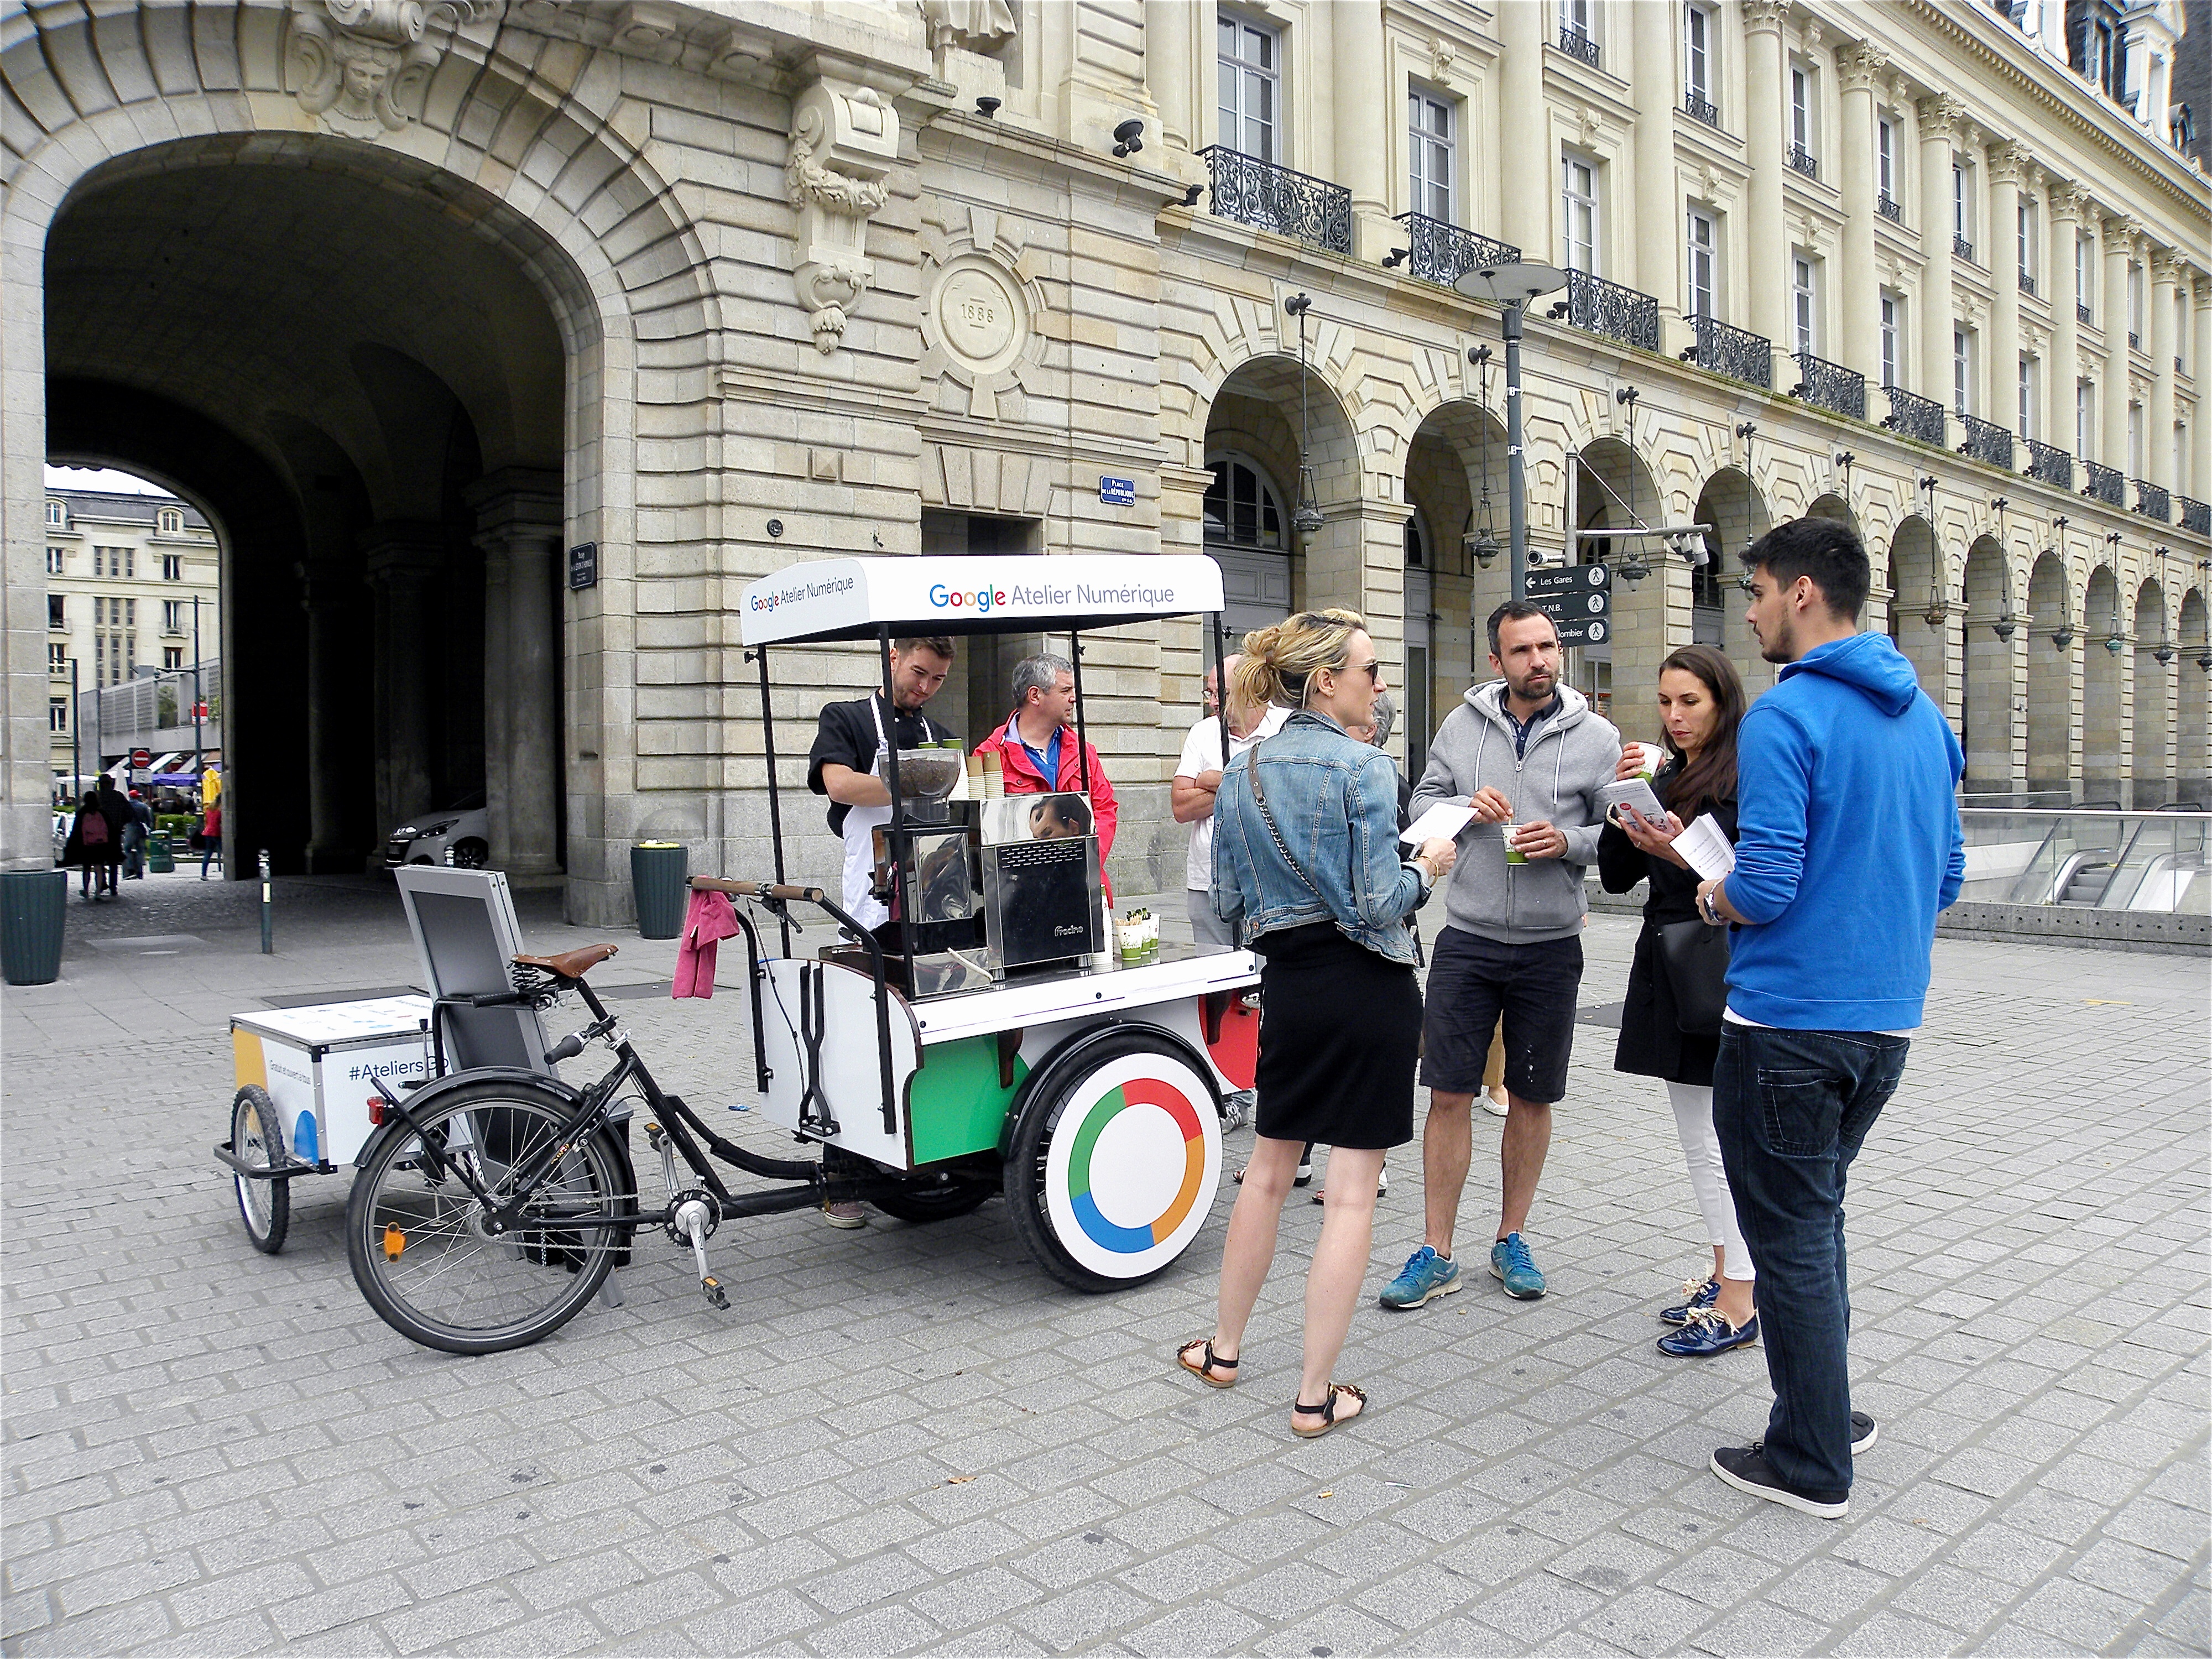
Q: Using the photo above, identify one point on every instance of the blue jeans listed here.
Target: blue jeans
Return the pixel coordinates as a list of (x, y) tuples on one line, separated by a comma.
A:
[(1791, 1109)]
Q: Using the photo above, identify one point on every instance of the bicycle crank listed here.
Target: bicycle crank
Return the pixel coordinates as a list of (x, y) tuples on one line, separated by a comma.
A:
[(695, 1216)]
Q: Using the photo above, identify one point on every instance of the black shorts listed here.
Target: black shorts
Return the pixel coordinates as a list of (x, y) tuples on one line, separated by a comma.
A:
[(1473, 980)]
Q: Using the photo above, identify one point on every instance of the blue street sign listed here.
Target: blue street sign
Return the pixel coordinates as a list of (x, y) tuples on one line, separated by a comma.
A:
[(1118, 492)]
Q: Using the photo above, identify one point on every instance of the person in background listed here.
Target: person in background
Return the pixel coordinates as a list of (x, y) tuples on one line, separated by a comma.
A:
[(1850, 844), (117, 810), (136, 829), (1307, 862), (1039, 752), (1700, 704), (91, 847), (210, 835)]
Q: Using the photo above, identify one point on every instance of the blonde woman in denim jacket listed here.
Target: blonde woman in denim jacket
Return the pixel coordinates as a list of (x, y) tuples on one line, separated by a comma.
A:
[(1307, 864)]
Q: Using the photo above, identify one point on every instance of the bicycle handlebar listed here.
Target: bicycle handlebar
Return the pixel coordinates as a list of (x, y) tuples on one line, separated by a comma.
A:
[(772, 890)]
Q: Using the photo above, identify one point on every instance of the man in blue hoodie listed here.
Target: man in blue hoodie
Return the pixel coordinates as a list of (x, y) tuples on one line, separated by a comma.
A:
[(1846, 776)]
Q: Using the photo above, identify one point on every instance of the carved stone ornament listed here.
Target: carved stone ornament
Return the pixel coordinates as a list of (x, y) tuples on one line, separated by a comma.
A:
[(2007, 161), (2067, 201), (1761, 16), (1441, 54), (1942, 116), (982, 25), (362, 65), (844, 140), (1859, 65)]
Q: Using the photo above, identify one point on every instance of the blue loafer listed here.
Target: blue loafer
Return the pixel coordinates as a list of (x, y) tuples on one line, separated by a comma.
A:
[(1709, 1333), (1696, 1298)]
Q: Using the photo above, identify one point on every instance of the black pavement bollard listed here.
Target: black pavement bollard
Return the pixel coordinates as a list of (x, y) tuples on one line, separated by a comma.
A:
[(268, 912)]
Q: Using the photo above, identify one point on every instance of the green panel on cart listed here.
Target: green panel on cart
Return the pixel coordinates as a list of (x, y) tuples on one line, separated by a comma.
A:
[(954, 1102)]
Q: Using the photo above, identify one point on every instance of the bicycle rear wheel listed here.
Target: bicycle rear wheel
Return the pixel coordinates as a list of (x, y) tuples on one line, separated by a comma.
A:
[(418, 1238)]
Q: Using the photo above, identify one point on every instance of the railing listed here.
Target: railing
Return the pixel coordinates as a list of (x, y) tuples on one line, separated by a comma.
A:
[(2134, 341), (1578, 45), (1986, 441), (2107, 484), (1698, 110), (1440, 253), (2048, 464), (2082, 313), (1890, 209), (1804, 160), (2196, 515), (1268, 196), (1963, 248), (1597, 306), (1830, 386), (1735, 352), (2026, 283), (2153, 501), (2152, 862), (1912, 416)]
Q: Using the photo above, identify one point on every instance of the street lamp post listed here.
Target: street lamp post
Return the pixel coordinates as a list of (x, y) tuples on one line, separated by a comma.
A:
[(77, 736), (198, 759), (1512, 286)]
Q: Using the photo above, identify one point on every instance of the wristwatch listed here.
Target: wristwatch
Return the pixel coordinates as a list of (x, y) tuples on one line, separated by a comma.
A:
[(1705, 906)]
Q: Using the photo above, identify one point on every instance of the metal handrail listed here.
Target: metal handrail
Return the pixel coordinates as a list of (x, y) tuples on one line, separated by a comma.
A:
[(1890, 207), (2048, 464), (1269, 195), (1597, 306), (2027, 285), (1830, 386), (1803, 160), (1578, 45), (2196, 515), (1697, 109), (1735, 352), (1912, 416), (2082, 313), (1963, 249), (2107, 484), (2154, 500), (1440, 251), (1986, 442)]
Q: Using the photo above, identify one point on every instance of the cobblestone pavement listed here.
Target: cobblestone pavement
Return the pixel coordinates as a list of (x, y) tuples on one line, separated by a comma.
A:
[(908, 1439)]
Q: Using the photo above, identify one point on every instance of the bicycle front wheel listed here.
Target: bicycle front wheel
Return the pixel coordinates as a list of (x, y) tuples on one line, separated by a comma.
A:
[(419, 1241)]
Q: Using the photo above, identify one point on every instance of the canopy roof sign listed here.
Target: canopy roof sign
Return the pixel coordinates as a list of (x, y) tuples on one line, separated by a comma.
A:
[(854, 598)]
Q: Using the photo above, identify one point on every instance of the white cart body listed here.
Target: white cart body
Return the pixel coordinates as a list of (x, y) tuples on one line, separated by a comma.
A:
[(316, 1064)]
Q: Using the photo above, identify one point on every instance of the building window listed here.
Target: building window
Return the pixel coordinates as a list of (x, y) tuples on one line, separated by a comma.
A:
[(1576, 20), (1698, 79), (1431, 149), (2028, 378), (1704, 253), (2134, 440), (2085, 417), (1804, 119), (1240, 507), (1962, 371), (172, 656), (114, 562), (1804, 302), (58, 714), (1962, 218), (2181, 478), (172, 566), (1885, 156), (1892, 337), (2085, 270), (173, 616), (56, 558), (56, 612), (171, 521), (1579, 195), (56, 657), (57, 515), (2028, 245), (2134, 304), (1251, 87)]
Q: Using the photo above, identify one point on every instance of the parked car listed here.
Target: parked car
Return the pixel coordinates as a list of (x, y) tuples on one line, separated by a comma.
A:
[(460, 836), (61, 821)]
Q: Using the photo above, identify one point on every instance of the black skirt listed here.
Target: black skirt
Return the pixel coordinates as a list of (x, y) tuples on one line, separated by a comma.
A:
[(1339, 1030)]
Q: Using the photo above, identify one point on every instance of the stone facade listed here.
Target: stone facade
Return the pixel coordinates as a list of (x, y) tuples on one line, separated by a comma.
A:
[(418, 295)]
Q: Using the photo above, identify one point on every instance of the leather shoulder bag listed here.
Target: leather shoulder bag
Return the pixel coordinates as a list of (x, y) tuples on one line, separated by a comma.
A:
[(1694, 956)]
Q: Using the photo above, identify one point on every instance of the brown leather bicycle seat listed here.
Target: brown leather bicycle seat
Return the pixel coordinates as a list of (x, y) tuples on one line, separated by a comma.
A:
[(570, 964)]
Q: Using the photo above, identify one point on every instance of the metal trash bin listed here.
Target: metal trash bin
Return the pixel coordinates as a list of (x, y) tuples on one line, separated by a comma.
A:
[(659, 870), (160, 857), (32, 903)]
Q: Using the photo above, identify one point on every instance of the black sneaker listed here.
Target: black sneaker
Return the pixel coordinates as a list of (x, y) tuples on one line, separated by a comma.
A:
[(1744, 1468), (1863, 1432)]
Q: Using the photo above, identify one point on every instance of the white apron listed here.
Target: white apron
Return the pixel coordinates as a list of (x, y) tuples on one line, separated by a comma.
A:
[(860, 824)]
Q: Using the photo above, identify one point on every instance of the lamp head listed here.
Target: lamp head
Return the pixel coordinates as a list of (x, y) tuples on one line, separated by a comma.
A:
[(986, 107), (2062, 636), (1129, 138), (1482, 547)]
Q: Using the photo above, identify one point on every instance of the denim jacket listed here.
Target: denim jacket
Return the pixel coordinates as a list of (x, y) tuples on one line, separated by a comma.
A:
[(1335, 801)]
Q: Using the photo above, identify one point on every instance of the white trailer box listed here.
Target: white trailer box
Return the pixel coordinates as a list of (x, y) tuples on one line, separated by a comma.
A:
[(317, 1064)]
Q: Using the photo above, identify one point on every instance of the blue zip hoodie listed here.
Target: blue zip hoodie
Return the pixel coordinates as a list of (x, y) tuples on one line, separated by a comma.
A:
[(1846, 778)]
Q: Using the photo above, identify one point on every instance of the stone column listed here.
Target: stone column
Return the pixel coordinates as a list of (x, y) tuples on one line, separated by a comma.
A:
[(2199, 485), (333, 735), (2006, 160), (402, 557), (1940, 118), (1657, 89), (1530, 173), (519, 526), (2061, 372), (1857, 67), (1168, 50), (1361, 99), (1767, 281), (2119, 243), (2158, 420)]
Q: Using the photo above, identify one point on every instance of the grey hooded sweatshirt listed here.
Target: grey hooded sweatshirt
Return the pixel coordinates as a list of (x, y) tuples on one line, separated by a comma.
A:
[(1573, 755)]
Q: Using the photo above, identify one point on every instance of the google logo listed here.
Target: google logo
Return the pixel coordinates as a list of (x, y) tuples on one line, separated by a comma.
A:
[(981, 601)]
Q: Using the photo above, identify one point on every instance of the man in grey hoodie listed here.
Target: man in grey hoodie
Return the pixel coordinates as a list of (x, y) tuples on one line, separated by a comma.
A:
[(1529, 756)]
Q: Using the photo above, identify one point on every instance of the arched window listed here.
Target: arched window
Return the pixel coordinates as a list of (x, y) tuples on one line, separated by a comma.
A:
[(1242, 507), (173, 521), (57, 515)]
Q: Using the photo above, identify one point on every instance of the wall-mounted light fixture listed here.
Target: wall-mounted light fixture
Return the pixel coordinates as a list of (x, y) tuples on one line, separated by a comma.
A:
[(1305, 518), (1129, 138)]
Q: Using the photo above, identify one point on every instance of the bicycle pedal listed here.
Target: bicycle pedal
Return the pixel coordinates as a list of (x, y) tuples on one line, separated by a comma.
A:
[(716, 1296)]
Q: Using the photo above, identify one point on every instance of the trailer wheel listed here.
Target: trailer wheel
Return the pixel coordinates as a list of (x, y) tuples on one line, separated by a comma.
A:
[(256, 1136), (1113, 1160)]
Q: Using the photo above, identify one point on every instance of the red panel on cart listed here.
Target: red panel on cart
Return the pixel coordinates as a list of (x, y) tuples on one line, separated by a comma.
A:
[(1236, 1052)]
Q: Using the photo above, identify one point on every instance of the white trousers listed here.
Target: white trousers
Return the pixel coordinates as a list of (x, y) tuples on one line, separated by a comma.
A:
[(1701, 1150)]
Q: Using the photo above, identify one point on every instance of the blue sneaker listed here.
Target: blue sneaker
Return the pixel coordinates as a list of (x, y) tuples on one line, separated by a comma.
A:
[(1424, 1275), (1511, 1265), (1696, 1298)]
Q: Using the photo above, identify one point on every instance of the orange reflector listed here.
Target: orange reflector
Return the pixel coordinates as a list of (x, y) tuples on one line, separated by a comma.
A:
[(376, 1109), (394, 1241)]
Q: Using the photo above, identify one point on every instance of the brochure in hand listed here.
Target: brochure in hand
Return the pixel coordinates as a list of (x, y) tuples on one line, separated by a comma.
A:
[(1705, 845)]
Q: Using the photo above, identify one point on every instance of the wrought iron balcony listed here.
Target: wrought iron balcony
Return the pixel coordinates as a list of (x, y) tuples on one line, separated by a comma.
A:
[(2196, 515), (2134, 341), (2026, 283), (2153, 501), (1890, 207), (2107, 484), (2082, 313), (1735, 352), (1578, 45), (1804, 160), (1698, 110), (1912, 416), (1830, 386), (1986, 442), (1269, 196), (2048, 464), (1963, 249), (1597, 306), (1439, 252)]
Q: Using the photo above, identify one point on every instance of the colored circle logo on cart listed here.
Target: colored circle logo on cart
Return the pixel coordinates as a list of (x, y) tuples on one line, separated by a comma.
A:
[(1123, 1186)]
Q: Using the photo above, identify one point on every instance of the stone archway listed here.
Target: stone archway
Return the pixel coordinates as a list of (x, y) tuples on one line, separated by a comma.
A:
[(1456, 458), (2053, 640), (2192, 726), (1986, 708), (1259, 413), (1920, 607), (2104, 691), (2152, 771), (1732, 504), (1613, 487)]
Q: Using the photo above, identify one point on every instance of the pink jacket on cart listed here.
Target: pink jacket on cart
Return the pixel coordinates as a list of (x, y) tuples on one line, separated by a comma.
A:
[(709, 919)]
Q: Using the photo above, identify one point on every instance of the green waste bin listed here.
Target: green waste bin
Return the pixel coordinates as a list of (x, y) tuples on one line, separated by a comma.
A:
[(161, 859), (657, 872), (32, 905)]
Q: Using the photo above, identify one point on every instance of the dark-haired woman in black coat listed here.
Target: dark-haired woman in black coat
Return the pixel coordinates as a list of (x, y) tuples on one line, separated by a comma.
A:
[(1700, 702)]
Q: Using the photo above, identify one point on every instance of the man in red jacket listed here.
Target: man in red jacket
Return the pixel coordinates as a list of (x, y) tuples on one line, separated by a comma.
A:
[(1038, 747)]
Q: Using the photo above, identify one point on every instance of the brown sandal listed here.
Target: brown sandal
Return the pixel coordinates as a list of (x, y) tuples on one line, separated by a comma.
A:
[(1205, 1369), (1327, 1410)]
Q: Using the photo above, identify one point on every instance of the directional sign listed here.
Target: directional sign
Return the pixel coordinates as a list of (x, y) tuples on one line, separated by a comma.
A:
[(1578, 599), (583, 566), (1569, 578)]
